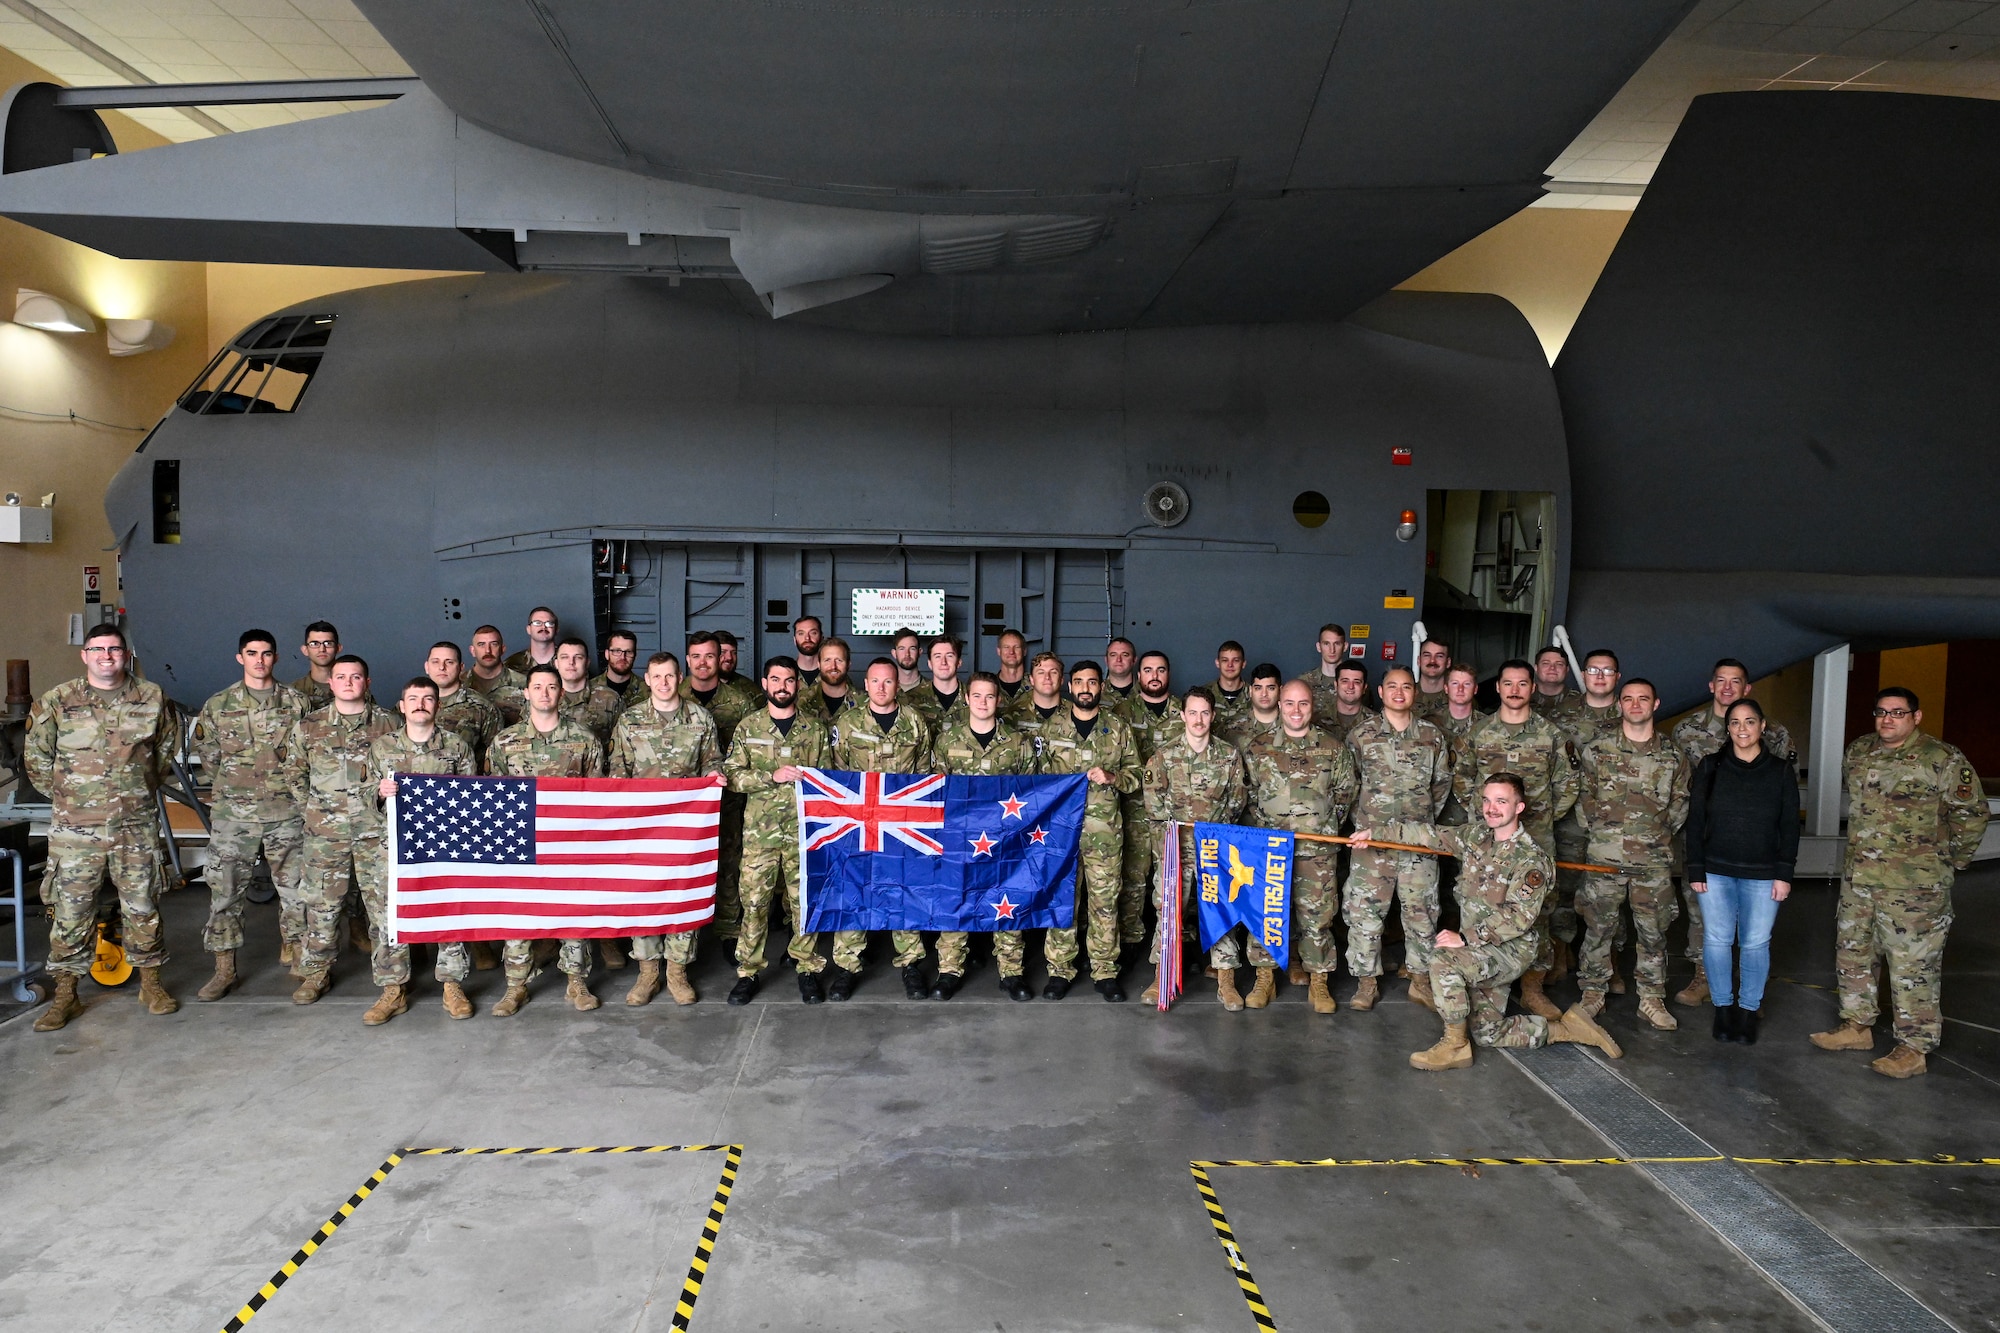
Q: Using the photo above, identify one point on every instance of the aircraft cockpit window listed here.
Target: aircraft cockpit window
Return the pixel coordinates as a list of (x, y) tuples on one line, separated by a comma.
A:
[(265, 370)]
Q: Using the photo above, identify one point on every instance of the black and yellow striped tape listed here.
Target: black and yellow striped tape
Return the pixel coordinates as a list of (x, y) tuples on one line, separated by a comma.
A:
[(1238, 1266), (311, 1247), (1940, 1159), (691, 1288)]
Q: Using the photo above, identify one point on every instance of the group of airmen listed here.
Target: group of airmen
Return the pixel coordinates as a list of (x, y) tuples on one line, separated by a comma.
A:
[(300, 773)]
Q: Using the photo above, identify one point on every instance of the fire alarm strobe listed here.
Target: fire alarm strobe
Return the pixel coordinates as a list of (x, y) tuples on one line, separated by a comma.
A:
[(1400, 456)]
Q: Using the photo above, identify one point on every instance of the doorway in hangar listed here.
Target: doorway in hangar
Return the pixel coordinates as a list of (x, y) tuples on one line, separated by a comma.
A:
[(1489, 574), (1066, 600)]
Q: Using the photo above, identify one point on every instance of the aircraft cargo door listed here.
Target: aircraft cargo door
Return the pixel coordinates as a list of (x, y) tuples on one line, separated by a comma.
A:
[(1489, 574), (1067, 600)]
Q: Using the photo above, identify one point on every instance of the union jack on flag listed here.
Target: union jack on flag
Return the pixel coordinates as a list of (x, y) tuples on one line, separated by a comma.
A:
[(877, 805)]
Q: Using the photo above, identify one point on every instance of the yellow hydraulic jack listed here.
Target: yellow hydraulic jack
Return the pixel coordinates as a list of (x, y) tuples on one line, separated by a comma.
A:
[(109, 967)]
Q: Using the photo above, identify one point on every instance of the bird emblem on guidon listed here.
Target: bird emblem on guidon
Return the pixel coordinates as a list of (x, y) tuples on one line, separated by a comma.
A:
[(885, 805)]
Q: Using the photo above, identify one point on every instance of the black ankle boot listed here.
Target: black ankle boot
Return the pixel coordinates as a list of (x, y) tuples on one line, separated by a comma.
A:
[(1725, 1023), (1746, 1026)]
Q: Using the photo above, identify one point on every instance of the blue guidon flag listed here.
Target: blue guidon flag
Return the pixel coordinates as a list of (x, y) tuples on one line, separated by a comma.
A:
[(915, 851), (1243, 876)]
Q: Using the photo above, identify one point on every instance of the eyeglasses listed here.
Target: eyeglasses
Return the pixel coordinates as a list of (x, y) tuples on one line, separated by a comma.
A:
[(104, 652), (541, 624), (1600, 671), (322, 643), (1892, 712)]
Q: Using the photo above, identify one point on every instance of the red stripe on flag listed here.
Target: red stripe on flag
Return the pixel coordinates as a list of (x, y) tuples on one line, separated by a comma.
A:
[(651, 833), (629, 784), (420, 911)]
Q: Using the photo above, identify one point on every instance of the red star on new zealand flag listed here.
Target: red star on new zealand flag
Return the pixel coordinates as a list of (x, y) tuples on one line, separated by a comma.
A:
[(1002, 910), (1011, 807), (982, 845), (1038, 835)]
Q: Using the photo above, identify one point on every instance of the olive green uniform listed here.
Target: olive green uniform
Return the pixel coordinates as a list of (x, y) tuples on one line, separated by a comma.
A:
[(1108, 744), (771, 830)]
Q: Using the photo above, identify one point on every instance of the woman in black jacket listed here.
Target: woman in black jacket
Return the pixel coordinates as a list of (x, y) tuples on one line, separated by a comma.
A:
[(1742, 841)]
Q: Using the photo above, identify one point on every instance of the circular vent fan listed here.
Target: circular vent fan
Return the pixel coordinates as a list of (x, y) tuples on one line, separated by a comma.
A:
[(1166, 504)]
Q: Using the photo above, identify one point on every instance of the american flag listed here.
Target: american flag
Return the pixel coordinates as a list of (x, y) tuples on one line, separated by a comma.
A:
[(541, 858)]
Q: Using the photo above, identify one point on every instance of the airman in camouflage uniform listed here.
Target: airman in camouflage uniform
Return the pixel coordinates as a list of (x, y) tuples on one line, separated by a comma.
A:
[(439, 752), (1552, 690), (1350, 691), (866, 746), (1532, 746), (239, 741), (775, 739), (621, 652), (834, 656), (1504, 881), (940, 710), (328, 767), (727, 703), (1916, 814), (1405, 776), (1433, 699), (1580, 722), (101, 746), (470, 716), (649, 743), (1086, 739), (1634, 799), (1260, 720), (1230, 687), (1700, 734), (1185, 785), (1153, 713), (566, 750), (1304, 781), (502, 688), (999, 750), (1322, 678), (595, 708)]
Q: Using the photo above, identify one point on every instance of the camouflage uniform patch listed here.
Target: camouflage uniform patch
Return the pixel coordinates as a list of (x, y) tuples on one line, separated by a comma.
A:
[(473, 718), (100, 755), (505, 692)]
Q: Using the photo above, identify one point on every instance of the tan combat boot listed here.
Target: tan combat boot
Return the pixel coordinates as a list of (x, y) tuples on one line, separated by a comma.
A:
[(224, 979), (483, 957), (455, 1003), (1617, 983), (1578, 1027), (357, 934), (1592, 1002), (1225, 989), (1564, 957), (63, 1005), (1297, 975), (1533, 1000), (1453, 1051), (393, 1000), (1846, 1037), (1420, 992), (1696, 991), (1319, 995), (1265, 990), (510, 1004), (614, 956), (288, 952), (153, 995), (678, 984), (1654, 1010), (646, 985), (579, 995), (1150, 995), (1365, 994), (312, 985), (1903, 1062)]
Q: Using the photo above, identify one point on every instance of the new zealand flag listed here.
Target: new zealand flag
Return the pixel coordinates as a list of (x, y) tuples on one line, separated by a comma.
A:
[(903, 851)]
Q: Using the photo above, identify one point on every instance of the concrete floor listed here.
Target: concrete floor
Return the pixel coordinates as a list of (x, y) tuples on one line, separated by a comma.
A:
[(976, 1165)]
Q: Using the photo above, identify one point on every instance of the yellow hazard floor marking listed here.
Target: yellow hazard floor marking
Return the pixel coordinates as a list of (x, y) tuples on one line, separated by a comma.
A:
[(1239, 1267), (704, 1249)]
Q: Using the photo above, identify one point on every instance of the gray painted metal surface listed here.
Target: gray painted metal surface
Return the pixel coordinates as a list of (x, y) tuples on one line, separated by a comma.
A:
[(466, 440)]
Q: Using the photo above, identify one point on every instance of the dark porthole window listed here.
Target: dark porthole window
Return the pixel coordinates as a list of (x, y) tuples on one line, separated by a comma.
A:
[(1311, 509)]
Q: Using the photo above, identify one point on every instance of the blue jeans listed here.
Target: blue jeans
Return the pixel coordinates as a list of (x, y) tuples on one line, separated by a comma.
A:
[(1737, 911)]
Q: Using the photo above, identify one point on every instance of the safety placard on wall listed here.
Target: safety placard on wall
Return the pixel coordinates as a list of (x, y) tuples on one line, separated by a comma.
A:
[(93, 585), (885, 610)]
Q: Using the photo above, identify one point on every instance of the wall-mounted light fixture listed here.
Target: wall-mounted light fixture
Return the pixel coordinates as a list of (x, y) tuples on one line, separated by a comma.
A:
[(39, 310), (1406, 525), (130, 337)]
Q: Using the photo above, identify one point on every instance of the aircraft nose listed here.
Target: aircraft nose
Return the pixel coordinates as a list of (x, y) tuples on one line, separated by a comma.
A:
[(128, 500)]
